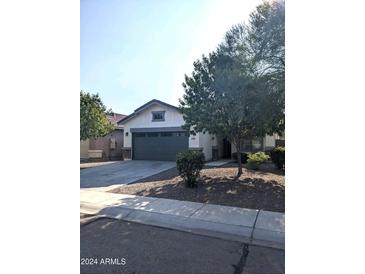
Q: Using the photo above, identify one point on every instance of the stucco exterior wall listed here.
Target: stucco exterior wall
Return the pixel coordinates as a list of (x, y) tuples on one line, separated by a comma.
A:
[(269, 142), (194, 141), (206, 141)]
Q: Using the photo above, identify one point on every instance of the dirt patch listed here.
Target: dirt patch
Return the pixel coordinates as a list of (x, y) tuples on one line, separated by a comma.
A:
[(254, 189)]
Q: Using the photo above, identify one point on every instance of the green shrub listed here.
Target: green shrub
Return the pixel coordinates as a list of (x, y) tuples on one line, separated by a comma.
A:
[(278, 156), (256, 159), (189, 163), (244, 157)]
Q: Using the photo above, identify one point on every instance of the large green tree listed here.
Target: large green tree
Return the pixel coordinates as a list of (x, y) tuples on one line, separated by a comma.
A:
[(93, 120), (237, 91)]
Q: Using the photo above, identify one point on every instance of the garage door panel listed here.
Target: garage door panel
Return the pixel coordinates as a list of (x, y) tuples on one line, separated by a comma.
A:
[(159, 146)]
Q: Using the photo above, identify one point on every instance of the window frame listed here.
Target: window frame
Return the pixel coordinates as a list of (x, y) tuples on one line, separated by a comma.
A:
[(158, 112)]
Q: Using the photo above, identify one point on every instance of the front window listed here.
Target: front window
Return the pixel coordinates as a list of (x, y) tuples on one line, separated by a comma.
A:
[(158, 116)]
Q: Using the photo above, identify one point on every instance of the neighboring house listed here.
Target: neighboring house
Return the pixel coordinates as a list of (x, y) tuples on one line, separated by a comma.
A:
[(84, 149), (153, 132), (108, 147)]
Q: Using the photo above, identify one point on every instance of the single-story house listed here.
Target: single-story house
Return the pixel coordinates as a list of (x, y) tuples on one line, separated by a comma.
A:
[(108, 147), (154, 132)]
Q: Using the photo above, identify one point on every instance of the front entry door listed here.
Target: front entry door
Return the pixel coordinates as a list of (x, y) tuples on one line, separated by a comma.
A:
[(226, 148)]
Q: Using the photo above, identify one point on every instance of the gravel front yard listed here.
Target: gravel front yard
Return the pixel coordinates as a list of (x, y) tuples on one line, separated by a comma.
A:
[(254, 189)]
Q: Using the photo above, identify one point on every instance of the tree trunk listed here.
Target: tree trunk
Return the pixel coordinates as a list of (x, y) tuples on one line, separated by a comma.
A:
[(239, 173), (239, 160)]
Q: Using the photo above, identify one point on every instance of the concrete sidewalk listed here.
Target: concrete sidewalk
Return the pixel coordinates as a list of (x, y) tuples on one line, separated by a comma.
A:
[(257, 227)]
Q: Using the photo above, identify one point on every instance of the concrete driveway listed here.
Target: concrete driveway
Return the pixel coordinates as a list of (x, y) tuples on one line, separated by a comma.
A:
[(123, 172)]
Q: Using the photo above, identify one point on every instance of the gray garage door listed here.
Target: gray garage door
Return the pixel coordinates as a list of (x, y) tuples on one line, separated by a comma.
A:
[(161, 146)]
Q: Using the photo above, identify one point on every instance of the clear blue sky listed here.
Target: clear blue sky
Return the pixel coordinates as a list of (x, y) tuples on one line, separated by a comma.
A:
[(134, 51)]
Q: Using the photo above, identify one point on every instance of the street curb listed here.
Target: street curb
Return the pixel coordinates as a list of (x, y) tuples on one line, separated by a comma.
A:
[(267, 230)]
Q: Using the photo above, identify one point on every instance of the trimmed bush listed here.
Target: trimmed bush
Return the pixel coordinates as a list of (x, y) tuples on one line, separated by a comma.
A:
[(244, 157), (189, 164), (256, 159), (278, 157)]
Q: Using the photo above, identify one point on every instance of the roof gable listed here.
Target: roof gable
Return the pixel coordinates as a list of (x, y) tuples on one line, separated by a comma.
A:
[(114, 118), (144, 107)]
